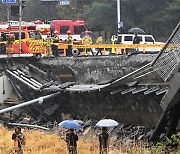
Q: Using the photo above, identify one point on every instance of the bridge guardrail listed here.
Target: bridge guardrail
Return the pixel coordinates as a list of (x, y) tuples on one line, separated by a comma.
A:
[(120, 48)]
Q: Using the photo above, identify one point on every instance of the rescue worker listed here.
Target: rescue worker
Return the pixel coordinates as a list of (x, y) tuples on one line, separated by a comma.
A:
[(9, 43), (19, 140), (113, 41), (48, 44), (103, 141), (99, 41), (71, 140), (69, 41), (87, 40), (55, 39), (3, 44)]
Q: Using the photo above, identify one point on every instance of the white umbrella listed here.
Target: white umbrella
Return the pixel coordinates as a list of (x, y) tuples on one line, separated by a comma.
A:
[(107, 123)]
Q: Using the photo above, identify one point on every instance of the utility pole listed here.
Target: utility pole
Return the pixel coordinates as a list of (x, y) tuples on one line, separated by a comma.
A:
[(119, 15), (20, 20)]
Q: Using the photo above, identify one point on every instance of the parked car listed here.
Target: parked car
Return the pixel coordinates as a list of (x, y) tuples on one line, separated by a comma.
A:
[(144, 39)]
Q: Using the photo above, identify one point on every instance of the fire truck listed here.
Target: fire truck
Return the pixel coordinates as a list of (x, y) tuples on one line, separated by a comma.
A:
[(31, 40), (75, 28)]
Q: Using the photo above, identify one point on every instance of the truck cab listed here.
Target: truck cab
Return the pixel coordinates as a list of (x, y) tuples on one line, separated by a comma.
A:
[(63, 26), (31, 40)]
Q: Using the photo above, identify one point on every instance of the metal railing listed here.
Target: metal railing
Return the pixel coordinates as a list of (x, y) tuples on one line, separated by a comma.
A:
[(119, 48)]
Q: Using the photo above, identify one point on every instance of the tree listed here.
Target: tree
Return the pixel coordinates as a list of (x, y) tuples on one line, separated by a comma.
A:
[(3, 11), (37, 10), (158, 17), (102, 16)]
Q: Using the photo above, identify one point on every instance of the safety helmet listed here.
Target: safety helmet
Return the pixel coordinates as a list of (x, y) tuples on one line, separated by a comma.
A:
[(55, 32)]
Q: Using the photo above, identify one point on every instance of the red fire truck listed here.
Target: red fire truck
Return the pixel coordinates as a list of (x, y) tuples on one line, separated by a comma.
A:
[(75, 28), (30, 39)]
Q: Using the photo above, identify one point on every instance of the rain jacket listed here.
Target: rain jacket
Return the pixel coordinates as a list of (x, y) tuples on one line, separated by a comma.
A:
[(70, 40), (49, 41), (99, 40), (19, 140), (87, 40)]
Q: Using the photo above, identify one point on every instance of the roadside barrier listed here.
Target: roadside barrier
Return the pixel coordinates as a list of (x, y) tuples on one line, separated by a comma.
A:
[(119, 48), (82, 49)]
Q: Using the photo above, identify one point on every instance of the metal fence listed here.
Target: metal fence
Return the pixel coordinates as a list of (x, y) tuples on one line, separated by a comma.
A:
[(169, 58)]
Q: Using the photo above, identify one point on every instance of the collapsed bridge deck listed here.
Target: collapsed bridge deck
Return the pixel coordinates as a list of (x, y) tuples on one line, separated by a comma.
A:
[(81, 81)]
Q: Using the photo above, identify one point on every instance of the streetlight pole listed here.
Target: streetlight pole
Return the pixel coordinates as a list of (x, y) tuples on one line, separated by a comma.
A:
[(119, 15), (20, 20)]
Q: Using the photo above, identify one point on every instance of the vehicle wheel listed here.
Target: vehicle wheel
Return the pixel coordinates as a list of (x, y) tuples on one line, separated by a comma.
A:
[(129, 52), (75, 52)]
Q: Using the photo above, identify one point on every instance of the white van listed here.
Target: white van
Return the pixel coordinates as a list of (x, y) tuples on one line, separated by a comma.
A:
[(128, 38), (144, 39)]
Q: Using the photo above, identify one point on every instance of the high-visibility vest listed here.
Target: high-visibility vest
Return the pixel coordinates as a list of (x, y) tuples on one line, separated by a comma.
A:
[(113, 40), (55, 39), (49, 41), (69, 40), (87, 40), (99, 40)]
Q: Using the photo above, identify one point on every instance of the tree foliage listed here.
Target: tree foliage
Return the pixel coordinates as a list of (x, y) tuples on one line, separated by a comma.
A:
[(158, 17)]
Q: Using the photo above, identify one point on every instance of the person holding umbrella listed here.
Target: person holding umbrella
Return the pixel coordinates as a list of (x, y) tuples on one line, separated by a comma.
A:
[(103, 141), (71, 140), (71, 137), (136, 41), (104, 136)]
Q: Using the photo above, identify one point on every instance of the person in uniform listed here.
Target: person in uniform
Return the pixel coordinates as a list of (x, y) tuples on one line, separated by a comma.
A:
[(49, 42), (103, 141), (55, 39), (9, 42), (113, 41), (99, 41), (87, 40), (19, 140), (71, 140), (69, 41)]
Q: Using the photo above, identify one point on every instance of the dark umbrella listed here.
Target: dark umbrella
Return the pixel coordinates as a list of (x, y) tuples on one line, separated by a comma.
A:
[(136, 31), (90, 33)]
